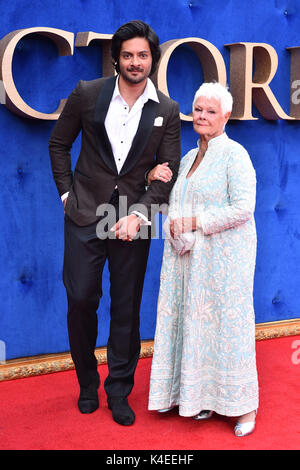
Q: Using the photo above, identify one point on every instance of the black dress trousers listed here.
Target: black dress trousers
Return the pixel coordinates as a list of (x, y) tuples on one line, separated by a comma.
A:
[(84, 260)]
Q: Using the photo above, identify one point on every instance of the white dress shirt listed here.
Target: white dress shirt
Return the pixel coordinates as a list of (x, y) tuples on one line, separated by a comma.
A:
[(121, 124)]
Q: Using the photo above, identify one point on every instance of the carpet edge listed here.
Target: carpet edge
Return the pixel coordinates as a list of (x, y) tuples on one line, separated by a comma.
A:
[(51, 363)]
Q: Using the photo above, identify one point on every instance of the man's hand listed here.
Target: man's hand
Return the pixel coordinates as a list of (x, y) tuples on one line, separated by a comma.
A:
[(160, 172), (127, 227), (181, 225)]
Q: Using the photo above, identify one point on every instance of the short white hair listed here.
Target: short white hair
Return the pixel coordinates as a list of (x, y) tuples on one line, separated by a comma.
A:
[(218, 92)]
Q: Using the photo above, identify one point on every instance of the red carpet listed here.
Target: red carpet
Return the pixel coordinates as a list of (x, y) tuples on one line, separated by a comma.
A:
[(40, 413)]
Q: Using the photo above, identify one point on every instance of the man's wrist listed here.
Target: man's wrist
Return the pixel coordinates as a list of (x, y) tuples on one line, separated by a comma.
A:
[(142, 217)]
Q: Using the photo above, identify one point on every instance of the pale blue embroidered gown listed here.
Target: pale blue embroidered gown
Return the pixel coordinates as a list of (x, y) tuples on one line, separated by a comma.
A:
[(204, 348)]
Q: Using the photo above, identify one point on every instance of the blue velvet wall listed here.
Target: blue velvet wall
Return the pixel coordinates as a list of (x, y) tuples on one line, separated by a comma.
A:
[(33, 303)]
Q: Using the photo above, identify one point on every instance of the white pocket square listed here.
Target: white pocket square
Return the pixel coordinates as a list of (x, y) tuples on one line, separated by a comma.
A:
[(158, 121)]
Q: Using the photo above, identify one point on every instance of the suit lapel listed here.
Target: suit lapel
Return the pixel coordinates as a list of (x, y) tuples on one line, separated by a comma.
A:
[(142, 136), (101, 108)]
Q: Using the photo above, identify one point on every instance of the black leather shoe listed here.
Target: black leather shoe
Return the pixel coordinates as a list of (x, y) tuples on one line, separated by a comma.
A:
[(121, 411), (88, 401)]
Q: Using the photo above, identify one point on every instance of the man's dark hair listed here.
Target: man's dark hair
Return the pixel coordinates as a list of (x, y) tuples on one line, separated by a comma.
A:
[(133, 29)]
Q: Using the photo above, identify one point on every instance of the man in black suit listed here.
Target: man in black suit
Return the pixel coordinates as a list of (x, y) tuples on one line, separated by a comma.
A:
[(128, 128)]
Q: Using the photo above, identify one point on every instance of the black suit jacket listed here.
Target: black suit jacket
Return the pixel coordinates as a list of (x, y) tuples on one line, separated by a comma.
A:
[(95, 175)]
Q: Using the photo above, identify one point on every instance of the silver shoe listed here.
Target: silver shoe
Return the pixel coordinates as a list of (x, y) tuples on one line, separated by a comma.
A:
[(244, 429), (204, 414), (165, 410)]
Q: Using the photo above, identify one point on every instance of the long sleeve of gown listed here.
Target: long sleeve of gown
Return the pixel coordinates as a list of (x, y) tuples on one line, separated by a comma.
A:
[(241, 188)]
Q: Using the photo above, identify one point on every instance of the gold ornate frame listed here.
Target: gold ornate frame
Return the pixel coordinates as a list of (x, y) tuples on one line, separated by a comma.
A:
[(49, 363)]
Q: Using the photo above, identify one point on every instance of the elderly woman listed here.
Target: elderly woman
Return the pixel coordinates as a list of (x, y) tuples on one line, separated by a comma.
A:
[(204, 349)]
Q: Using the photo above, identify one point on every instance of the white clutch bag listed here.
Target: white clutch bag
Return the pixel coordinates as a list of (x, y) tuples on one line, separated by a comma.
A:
[(183, 243)]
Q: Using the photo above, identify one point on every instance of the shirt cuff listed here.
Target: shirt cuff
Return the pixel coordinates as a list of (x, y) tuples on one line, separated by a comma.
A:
[(141, 216), (64, 196)]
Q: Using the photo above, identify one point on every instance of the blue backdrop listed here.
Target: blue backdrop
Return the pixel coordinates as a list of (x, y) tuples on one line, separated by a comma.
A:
[(33, 303)]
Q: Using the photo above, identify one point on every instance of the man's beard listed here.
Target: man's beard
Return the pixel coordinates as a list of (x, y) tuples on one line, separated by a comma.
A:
[(131, 79)]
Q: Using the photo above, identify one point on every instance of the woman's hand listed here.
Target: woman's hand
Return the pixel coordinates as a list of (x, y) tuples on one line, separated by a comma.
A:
[(181, 225), (160, 172)]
